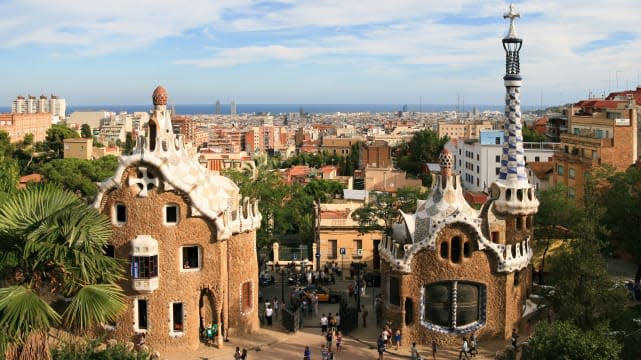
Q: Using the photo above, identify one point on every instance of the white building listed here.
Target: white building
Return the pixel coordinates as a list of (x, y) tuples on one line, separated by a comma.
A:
[(479, 160), (31, 105)]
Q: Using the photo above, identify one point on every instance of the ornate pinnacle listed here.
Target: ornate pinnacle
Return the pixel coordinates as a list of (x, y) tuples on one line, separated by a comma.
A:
[(512, 15)]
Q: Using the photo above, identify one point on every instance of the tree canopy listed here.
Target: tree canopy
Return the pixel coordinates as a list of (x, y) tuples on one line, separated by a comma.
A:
[(563, 340), (425, 146), (79, 175), (56, 134)]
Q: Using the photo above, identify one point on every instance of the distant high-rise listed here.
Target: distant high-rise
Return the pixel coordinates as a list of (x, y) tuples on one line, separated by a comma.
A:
[(218, 112), (31, 105), (232, 106)]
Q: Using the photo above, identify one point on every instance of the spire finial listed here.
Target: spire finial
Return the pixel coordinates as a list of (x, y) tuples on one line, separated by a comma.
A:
[(512, 15)]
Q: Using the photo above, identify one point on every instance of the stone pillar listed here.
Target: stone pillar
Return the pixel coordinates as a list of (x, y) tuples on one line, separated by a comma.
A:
[(275, 248), (315, 263)]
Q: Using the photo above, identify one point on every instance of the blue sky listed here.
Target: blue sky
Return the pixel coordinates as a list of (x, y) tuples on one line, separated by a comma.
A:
[(318, 51)]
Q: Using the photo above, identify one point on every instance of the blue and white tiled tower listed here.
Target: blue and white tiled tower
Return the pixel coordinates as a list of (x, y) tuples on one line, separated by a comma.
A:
[(512, 192)]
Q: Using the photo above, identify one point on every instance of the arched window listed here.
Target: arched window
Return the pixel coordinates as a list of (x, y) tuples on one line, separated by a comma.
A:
[(456, 249), (444, 250), (452, 305), (467, 249)]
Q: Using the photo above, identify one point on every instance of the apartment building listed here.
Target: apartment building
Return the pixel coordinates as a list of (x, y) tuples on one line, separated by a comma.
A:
[(464, 130)]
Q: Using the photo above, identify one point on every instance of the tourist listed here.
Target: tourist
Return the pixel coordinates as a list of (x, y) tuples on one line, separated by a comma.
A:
[(323, 352), (269, 312), (515, 338), (337, 318), (237, 354), (380, 346), (329, 337), (323, 324), (364, 315), (473, 350), (276, 307), (142, 340), (243, 355), (384, 336), (339, 342), (434, 349), (414, 355), (307, 355), (397, 338), (464, 350)]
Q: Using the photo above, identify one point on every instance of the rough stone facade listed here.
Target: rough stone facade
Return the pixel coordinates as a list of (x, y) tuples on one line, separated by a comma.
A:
[(159, 226)]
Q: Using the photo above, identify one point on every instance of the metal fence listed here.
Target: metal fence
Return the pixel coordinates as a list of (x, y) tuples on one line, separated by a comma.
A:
[(288, 253)]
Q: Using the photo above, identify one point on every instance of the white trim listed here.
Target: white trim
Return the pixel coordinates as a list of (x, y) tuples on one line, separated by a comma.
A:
[(200, 259), (136, 327), (172, 332), (114, 214), (164, 214)]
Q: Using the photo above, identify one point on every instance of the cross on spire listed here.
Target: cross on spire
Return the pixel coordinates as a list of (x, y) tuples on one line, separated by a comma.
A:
[(512, 15)]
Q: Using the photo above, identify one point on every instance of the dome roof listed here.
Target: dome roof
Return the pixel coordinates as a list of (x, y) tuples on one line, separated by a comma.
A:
[(160, 96)]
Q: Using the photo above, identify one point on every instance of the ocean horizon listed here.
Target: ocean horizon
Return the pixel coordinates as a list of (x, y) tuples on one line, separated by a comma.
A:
[(209, 109)]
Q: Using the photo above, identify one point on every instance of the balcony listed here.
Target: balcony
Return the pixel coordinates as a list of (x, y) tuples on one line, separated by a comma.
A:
[(576, 158), (586, 140), (145, 285)]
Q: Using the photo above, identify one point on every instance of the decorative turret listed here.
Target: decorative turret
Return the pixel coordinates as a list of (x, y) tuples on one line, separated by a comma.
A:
[(512, 192)]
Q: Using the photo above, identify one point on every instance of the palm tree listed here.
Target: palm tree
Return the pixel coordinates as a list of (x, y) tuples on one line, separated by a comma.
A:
[(53, 269)]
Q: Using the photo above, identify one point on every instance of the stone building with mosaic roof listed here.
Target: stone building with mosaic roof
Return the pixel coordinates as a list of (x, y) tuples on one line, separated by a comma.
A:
[(187, 239), (450, 270)]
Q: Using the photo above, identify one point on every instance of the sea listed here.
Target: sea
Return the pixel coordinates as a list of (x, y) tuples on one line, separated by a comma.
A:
[(207, 109)]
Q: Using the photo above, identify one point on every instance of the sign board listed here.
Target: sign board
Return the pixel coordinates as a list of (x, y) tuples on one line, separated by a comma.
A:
[(343, 251), (294, 257), (318, 255), (622, 122)]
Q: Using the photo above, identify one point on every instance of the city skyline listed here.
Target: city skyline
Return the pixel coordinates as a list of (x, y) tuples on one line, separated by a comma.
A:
[(319, 52)]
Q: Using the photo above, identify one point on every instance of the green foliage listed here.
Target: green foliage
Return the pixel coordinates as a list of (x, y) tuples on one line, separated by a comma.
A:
[(27, 140), (85, 131), (529, 135), (130, 143), (323, 190), (312, 160), (56, 135), (384, 209), (91, 351), (9, 175), (52, 244), (563, 340), (6, 147), (79, 175), (425, 146), (627, 328), (623, 213)]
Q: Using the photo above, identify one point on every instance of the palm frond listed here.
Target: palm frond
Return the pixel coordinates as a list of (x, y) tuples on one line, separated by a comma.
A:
[(24, 311), (93, 305)]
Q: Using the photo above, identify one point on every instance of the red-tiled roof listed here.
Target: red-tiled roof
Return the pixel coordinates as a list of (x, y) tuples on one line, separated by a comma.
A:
[(541, 169)]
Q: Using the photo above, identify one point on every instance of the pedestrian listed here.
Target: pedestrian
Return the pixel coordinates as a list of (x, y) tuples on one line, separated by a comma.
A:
[(363, 287), (323, 324), (397, 338), (269, 312), (315, 304), (473, 350), (339, 341), (414, 352), (434, 349), (515, 338), (237, 354), (307, 354), (464, 350), (243, 355), (380, 346), (338, 321), (276, 308), (323, 352), (364, 314), (329, 337)]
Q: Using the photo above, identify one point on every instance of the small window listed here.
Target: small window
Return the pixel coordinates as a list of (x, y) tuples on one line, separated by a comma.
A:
[(467, 249), (495, 237), (560, 170), (456, 249), (409, 311), (110, 251), (571, 173), (171, 214), (497, 170), (498, 158), (246, 297), (519, 223), (537, 159), (144, 267), (120, 211), (333, 249), (141, 314), (394, 291), (177, 322), (444, 250), (517, 280), (191, 258)]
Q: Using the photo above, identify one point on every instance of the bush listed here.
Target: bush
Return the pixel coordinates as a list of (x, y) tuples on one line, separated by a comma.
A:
[(563, 340), (96, 350)]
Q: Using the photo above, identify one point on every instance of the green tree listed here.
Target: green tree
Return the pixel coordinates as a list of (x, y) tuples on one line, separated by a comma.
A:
[(323, 190), (129, 143), (52, 244), (384, 209), (623, 213), (425, 146), (28, 140), (584, 293), (529, 135), (85, 131), (563, 340), (56, 134), (556, 217), (79, 175)]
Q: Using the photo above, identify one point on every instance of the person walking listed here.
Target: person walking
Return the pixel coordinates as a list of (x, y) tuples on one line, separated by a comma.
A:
[(329, 337), (515, 338), (307, 354), (397, 338), (269, 312), (364, 314), (339, 342), (323, 323), (243, 355), (414, 354), (237, 354), (380, 346), (464, 350), (473, 350), (434, 349)]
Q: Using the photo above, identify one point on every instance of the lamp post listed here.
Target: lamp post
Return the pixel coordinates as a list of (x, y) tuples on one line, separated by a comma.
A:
[(281, 271)]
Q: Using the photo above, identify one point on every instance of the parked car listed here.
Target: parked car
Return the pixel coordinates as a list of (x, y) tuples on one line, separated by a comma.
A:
[(324, 294), (372, 278), (266, 278)]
